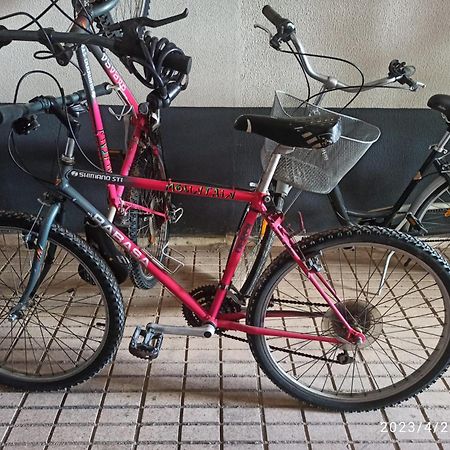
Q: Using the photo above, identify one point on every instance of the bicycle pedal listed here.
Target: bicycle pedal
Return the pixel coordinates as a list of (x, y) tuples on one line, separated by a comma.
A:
[(145, 343)]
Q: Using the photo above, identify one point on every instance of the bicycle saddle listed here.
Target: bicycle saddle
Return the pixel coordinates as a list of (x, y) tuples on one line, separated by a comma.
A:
[(305, 132), (441, 103)]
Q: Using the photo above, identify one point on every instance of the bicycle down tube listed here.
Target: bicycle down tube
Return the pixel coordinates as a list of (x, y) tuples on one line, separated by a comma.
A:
[(255, 199)]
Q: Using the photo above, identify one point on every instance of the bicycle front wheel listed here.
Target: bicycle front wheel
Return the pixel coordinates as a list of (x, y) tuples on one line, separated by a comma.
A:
[(71, 328), (392, 287)]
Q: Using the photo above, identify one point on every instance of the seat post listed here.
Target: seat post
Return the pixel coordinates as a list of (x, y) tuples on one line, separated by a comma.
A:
[(263, 185), (443, 142)]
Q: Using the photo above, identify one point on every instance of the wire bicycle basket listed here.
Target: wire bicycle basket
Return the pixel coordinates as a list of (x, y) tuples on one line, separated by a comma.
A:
[(318, 170)]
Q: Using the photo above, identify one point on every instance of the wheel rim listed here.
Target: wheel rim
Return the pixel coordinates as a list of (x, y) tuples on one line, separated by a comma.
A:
[(65, 327), (413, 339)]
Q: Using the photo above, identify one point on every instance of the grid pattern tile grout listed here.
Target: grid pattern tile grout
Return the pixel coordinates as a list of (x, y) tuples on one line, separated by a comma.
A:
[(200, 394)]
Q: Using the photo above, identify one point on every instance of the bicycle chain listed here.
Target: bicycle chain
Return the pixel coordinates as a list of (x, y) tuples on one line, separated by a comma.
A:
[(291, 352)]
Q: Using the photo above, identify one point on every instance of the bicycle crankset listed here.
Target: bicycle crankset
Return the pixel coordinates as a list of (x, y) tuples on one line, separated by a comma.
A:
[(205, 296)]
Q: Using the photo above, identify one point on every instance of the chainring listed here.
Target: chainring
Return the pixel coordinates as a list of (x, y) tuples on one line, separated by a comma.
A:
[(204, 295)]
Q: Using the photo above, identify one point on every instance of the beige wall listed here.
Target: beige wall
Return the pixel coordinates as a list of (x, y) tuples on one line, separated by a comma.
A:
[(234, 66)]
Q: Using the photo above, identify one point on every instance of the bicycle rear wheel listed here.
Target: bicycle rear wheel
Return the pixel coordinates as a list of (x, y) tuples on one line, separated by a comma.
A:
[(71, 328), (149, 231), (129, 9), (405, 316)]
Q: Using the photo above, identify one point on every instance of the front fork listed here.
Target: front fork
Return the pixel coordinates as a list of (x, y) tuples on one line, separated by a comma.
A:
[(42, 261)]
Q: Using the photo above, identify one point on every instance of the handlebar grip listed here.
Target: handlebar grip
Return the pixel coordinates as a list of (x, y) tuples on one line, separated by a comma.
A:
[(179, 62), (273, 16), (10, 113)]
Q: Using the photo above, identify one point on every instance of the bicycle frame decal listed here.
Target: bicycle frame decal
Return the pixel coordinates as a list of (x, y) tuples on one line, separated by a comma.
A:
[(121, 239), (173, 187), (113, 73), (190, 189), (115, 77), (96, 176)]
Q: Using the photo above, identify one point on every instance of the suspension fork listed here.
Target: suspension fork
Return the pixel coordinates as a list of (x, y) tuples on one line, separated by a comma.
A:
[(41, 262)]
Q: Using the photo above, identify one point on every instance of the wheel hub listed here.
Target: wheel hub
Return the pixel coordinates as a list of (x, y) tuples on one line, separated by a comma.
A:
[(360, 315)]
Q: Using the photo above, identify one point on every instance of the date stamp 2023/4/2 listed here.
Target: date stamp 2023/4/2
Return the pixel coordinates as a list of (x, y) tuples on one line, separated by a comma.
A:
[(414, 427)]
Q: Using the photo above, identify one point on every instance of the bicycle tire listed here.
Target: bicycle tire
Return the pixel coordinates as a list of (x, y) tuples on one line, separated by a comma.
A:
[(434, 216), (71, 328), (129, 9), (154, 236), (329, 388)]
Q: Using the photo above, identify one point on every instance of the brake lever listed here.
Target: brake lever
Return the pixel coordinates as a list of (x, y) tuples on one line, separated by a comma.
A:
[(417, 86), (167, 20), (261, 27), (147, 22)]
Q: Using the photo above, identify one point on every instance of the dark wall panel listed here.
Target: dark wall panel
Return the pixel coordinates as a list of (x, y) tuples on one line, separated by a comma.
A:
[(200, 144)]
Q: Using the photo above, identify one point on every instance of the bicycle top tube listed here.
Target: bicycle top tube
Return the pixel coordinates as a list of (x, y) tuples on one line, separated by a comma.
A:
[(172, 186)]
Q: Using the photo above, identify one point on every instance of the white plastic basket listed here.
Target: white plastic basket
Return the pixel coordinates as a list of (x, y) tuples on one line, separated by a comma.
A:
[(318, 170)]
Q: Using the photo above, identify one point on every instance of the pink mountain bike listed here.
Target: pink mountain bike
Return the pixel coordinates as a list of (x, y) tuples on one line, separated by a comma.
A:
[(352, 319)]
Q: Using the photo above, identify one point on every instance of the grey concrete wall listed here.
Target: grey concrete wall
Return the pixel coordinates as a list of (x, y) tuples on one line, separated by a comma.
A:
[(234, 66)]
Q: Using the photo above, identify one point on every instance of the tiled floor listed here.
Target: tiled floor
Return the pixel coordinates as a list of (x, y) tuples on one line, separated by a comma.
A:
[(204, 393)]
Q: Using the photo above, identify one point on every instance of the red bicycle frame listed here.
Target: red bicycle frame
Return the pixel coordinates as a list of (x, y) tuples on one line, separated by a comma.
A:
[(256, 207)]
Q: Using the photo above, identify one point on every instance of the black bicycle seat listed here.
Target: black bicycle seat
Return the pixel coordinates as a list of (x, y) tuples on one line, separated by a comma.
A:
[(305, 132), (441, 103)]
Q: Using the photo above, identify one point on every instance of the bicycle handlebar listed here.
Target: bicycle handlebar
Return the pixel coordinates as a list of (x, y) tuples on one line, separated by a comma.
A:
[(10, 113), (178, 62), (286, 32)]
